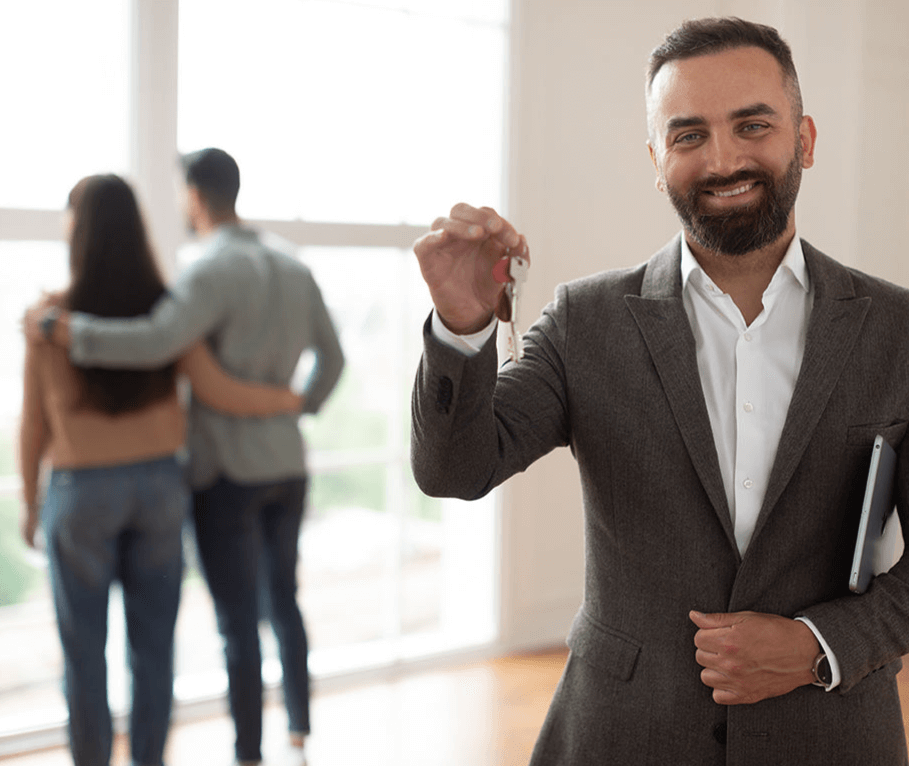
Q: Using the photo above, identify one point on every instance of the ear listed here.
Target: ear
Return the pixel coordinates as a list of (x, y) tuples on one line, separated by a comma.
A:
[(808, 137), (660, 185), (193, 197)]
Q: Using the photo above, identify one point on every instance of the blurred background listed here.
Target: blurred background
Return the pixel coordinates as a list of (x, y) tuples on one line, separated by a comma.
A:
[(355, 123)]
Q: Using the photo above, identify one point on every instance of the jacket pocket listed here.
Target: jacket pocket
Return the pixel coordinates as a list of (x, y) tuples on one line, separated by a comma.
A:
[(863, 436), (603, 647)]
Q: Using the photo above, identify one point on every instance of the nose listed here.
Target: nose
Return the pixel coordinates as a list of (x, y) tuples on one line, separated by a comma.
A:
[(724, 154)]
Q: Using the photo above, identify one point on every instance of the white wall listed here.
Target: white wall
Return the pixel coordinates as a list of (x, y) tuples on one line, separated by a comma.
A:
[(582, 190)]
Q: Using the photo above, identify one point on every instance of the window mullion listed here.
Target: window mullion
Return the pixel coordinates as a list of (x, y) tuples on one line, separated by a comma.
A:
[(153, 120)]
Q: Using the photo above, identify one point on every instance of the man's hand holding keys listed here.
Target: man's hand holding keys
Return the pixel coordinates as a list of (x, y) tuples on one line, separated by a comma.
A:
[(458, 260)]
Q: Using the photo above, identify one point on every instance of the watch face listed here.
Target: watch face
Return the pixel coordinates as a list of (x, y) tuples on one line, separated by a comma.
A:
[(46, 325), (47, 322), (823, 671)]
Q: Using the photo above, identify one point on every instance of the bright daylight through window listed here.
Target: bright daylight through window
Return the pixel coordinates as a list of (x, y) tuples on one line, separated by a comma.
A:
[(338, 114)]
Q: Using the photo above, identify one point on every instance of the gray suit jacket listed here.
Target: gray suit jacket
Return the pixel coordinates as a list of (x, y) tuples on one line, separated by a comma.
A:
[(610, 371)]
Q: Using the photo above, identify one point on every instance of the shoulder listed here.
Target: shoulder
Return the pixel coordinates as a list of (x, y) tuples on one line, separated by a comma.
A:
[(590, 304), (252, 247), (657, 277), (46, 301), (231, 254), (282, 255), (33, 316), (621, 281), (880, 289), (603, 290), (836, 280)]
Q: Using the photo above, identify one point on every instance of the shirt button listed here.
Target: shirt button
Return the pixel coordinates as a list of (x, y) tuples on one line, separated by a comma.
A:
[(748, 337), (747, 484), (749, 407)]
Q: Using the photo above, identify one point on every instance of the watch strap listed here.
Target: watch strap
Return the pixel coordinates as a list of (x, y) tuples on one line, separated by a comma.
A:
[(48, 322)]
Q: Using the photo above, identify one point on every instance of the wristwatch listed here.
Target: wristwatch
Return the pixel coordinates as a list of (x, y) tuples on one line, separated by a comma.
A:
[(823, 675), (48, 322)]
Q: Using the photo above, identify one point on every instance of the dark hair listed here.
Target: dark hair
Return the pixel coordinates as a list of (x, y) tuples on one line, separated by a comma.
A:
[(216, 175), (113, 273), (699, 37)]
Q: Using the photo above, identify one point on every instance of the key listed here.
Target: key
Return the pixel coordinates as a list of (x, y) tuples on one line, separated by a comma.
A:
[(517, 270)]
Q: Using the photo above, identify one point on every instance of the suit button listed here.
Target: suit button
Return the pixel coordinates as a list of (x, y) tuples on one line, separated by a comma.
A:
[(719, 733), (444, 395)]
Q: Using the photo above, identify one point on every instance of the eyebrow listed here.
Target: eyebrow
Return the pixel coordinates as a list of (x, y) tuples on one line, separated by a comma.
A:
[(755, 110), (752, 110)]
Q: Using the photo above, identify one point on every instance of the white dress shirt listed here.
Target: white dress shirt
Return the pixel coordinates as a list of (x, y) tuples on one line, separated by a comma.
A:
[(748, 374)]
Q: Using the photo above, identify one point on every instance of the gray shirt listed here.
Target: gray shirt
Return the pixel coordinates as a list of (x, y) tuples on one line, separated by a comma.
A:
[(259, 309)]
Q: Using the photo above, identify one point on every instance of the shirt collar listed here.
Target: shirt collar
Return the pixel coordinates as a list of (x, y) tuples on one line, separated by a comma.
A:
[(229, 232), (793, 262)]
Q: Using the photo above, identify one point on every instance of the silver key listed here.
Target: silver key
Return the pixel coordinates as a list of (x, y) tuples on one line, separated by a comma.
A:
[(517, 270)]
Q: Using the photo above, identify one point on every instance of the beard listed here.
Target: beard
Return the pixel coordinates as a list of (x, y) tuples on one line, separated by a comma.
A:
[(743, 229)]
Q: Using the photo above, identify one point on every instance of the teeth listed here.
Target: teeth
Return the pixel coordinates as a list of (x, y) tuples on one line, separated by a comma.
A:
[(734, 192)]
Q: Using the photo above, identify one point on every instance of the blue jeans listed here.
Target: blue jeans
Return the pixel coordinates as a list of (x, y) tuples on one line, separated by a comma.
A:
[(103, 524), (247, 536)]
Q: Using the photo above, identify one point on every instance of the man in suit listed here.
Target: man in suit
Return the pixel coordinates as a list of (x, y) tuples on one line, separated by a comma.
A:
[(721, 401)]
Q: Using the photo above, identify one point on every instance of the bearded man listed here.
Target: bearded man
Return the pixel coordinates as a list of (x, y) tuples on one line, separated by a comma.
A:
[(721, 401)]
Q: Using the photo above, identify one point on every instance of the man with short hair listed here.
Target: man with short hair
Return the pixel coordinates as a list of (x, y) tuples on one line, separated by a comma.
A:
[(259, 309), (721, 401)]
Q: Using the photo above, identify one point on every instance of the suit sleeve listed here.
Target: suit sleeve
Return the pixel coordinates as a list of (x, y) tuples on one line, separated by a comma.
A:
[(473, 426), (869, 631)]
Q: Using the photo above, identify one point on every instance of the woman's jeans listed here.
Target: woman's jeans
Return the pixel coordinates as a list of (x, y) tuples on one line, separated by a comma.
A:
[(124, 523), (247, 536)]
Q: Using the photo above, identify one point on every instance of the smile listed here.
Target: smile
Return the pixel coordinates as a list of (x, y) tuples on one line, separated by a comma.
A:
[(734, 192)]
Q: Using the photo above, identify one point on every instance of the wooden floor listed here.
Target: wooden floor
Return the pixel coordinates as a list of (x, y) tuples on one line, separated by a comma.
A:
[(482, 714)]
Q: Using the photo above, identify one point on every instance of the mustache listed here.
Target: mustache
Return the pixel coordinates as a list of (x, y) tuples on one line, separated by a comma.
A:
[(736, 179)]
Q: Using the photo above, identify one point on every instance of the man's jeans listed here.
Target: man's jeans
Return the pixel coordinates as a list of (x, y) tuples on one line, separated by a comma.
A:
[(247, 536), (123, 523)]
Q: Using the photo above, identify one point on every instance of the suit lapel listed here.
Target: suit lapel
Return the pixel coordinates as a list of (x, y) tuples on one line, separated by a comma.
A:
[(663, 323), (836, 319)]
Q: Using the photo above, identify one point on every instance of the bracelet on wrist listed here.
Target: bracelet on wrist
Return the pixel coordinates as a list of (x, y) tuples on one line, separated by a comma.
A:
[(48, 322)]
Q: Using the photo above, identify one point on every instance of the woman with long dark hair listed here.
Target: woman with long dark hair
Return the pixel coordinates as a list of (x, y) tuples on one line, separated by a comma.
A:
[(115, 499)]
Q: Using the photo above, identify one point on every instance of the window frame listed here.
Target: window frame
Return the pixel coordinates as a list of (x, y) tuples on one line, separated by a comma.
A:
[(153, 77)]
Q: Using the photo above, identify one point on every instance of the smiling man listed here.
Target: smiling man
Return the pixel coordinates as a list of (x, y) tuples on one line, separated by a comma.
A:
[(732, 176), (721, 401)]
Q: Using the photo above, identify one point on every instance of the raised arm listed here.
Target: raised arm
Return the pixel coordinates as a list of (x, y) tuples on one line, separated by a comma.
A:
[(195, 305), (217, 389), (34, 434), (473, 423)]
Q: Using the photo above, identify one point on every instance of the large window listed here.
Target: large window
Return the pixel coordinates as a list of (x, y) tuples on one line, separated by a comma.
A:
[(381, 112), (65, 97), (354, 124)]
